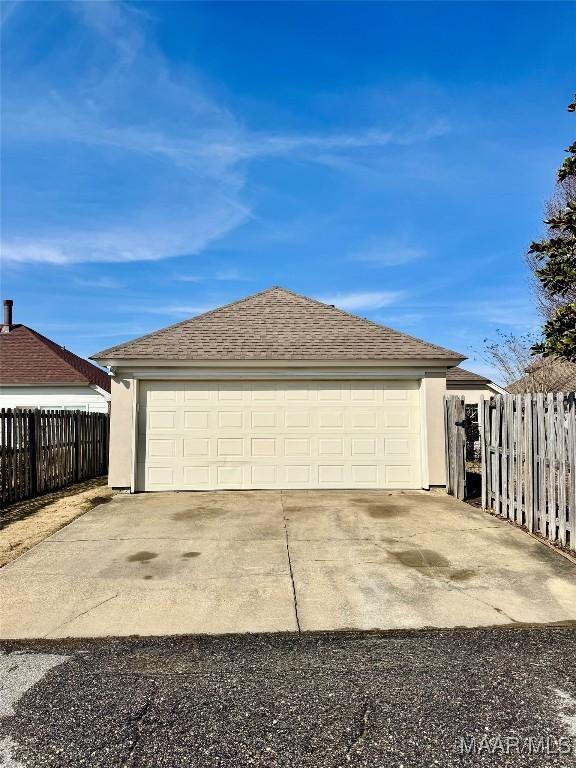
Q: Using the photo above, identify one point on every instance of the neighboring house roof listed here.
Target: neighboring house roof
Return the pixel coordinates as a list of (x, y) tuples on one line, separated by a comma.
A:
[(461, 375), (547, 375), (27, 357), (277, 324)]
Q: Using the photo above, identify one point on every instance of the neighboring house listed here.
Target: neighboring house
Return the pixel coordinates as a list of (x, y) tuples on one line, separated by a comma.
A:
[(470, 385), (277, 391), (35, 372), (546, 375)]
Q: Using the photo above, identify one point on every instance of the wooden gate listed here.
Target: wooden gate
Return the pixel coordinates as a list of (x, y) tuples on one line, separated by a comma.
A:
[(455, 442)]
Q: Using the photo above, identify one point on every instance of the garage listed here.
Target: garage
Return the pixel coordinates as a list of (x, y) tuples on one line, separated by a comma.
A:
[(277, 390), (307, 434)]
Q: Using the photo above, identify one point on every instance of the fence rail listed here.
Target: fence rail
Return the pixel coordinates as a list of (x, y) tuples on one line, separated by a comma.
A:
[(42, 450), (528, 460)]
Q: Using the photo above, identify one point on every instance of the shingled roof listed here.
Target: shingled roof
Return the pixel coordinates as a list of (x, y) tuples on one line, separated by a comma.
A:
[(462, 375), (277, 324), (27, 357)]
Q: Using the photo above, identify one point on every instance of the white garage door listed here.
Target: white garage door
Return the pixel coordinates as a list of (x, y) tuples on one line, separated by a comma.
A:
[(347, 434)]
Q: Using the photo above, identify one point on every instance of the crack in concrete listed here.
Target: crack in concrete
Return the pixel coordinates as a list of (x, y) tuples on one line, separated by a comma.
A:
[(294, 596), (82, 613), (464, 591)]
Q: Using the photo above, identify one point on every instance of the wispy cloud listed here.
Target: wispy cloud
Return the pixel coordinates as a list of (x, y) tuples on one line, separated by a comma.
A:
[(177, 310), (363, 299), (402, 320), (384, 252), (187, 278), (177, 159), (229, 275), (98, 282), (221, 275)]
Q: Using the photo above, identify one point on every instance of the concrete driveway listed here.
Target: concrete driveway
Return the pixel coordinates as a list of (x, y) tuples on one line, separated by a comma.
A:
[(170, 563)]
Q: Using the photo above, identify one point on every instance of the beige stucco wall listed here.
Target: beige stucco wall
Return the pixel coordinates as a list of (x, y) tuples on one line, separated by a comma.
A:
[(433, 389), (121, 433)]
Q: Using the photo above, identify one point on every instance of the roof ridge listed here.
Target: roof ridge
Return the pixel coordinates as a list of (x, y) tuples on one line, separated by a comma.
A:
[(188, 319)]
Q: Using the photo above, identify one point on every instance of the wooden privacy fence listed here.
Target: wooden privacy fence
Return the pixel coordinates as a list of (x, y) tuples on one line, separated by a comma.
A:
[(42, 451), (528, 445)]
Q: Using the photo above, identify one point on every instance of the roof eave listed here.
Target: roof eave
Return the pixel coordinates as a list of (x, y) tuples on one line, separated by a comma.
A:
[(16, 383), (126, 362)]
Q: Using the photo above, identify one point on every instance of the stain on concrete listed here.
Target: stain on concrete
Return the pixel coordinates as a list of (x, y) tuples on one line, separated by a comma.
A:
[(142, 557), (381, 511), (190, 554), (420, 558), (197, 513), (309, 509), (461, 574), (147, 577), (429, 559)]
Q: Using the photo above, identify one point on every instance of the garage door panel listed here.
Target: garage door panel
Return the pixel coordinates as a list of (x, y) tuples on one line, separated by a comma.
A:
[(362, 419), (198, 391), (196, 476), (331, 474), (330, 419), (231, 419), (210, 435), (364, 446), (199, 446), (403, 419), (263, 446), (331, 447), (196, 419), (297, 446), (297, 419), (264, 420), (264, 392), (364, 473), (398, 446), (161, 420)]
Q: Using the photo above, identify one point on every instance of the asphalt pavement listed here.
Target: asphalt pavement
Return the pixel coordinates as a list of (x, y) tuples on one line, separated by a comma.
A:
[(489, 697)]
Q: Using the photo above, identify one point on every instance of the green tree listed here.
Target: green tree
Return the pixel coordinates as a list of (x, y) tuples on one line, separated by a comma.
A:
[(555, 257)]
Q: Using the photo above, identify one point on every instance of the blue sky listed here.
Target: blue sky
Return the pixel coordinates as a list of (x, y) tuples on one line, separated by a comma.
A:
[(161, 159)]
